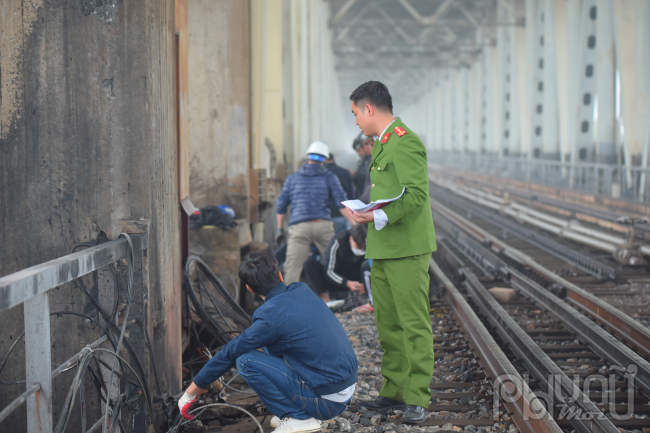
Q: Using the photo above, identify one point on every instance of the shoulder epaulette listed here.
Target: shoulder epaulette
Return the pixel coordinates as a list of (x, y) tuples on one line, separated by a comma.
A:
[(400, 131)]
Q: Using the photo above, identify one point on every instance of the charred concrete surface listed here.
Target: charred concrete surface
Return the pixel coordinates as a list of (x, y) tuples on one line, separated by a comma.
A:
[(219, 88), (88, 140)]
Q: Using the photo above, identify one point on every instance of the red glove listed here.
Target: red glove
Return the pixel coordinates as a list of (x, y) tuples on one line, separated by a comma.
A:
[(185, 403)]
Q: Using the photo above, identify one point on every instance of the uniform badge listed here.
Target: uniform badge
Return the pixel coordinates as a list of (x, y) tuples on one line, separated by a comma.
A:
[(400, 131), (385, 139)]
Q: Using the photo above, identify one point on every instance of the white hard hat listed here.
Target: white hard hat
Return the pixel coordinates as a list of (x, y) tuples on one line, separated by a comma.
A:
[(319, 148)]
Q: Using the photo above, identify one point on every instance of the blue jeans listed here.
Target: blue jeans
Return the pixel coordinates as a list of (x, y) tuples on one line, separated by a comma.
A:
[(281, 390)]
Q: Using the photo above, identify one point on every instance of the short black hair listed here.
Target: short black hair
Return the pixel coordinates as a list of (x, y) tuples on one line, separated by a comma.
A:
[(331, 157), (359, 234), (373, 93), (259, 270)]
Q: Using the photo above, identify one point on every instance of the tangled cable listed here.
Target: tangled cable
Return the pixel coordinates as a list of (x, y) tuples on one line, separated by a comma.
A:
[(135, 384), (208, 298), (212, 302)]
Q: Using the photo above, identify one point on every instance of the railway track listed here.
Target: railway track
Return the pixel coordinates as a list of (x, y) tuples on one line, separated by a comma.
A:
[(499, 367), (599, 211), (549, 336), (585, 273), (473, 375)]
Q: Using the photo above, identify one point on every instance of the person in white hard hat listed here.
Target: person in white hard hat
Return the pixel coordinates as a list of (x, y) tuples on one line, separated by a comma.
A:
[(309, 191)]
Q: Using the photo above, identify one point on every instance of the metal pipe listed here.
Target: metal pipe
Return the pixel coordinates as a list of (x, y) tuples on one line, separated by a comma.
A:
[(623, 326), (585, 235), (20, 400)]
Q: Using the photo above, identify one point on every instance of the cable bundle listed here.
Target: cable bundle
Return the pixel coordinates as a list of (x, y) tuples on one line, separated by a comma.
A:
[(212, 302), (130, 390)]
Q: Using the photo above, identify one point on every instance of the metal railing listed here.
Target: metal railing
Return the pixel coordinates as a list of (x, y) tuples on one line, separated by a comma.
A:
[(30, 287), (609, 180)]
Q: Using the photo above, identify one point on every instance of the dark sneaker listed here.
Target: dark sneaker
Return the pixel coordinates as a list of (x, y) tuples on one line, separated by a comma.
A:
[(414, 414), (382, 402)]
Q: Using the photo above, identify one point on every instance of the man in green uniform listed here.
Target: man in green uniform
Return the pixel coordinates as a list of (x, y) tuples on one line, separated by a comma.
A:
[(400, 242)]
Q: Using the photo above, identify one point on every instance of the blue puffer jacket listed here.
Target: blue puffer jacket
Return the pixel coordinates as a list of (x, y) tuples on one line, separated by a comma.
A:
[(296, 325), (309, 191)]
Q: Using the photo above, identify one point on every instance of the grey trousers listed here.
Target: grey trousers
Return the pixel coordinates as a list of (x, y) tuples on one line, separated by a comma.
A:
[(301, 237)]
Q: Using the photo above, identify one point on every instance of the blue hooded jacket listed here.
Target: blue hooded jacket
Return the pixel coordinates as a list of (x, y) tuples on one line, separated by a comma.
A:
[(309, 191), (296, 325)]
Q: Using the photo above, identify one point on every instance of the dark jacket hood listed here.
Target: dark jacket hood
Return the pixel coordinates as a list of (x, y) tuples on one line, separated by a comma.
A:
[(312, 170)]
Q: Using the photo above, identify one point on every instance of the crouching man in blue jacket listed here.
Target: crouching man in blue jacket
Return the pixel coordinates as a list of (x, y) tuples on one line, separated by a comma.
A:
[(308, 370)]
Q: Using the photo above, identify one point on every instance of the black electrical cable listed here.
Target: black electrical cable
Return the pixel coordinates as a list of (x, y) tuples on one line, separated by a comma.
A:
[(153, 362), (4, 361), (140, 379), (232, 280), (125, 319), (229, 313), (112, 331), (116, 414), (110, 320), (116, 283)]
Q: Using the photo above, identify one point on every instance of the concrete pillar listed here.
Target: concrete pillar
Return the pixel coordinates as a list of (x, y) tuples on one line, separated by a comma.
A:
[(88, 141), (305, 124), (288, 86), (220, 94), (258, 17), (272, 150)]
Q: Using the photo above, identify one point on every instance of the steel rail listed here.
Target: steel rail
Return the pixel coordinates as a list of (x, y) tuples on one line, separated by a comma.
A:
[(602, 343), (593, 267), (572, 195), (529, 414), (543, 368), (620, 324), (557, 226), (603, 218)]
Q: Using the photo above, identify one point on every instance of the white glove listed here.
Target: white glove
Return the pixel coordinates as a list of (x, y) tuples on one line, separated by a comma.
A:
[(185, 403)]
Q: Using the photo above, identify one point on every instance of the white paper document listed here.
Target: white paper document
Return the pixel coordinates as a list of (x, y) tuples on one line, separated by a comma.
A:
[(361, 207)]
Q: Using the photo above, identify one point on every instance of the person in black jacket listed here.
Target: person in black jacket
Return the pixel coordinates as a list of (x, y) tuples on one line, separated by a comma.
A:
[(340, 268), (363, 146), (340, 222), (308, 369)]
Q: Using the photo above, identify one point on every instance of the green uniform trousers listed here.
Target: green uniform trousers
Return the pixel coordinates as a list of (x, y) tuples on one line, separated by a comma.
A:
[(400, 292)]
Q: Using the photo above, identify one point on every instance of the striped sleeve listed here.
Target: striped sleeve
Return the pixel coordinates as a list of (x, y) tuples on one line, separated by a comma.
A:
[(330, 264)]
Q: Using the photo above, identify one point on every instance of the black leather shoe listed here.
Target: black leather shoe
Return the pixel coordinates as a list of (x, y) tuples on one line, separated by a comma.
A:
[(414, 414), (382, 402)]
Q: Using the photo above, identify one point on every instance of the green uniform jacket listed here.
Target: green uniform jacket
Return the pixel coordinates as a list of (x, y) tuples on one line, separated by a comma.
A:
[(400, 162)]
